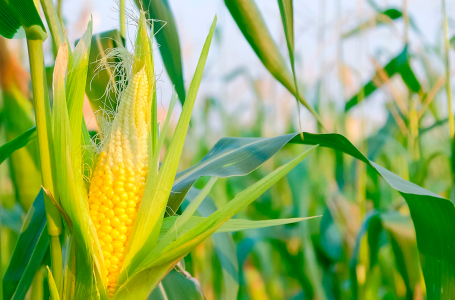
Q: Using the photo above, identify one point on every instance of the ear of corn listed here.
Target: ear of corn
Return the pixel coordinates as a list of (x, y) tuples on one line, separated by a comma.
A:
[(119, 176)]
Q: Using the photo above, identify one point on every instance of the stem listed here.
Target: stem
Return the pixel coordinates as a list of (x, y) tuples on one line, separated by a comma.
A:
[(53, 21), (42, 108), (447, 66), (122, 18)]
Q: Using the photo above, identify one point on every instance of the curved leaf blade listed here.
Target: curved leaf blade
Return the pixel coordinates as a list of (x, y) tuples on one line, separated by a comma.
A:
[(21, 141), (168, 40), (29, 252), (178, 285)]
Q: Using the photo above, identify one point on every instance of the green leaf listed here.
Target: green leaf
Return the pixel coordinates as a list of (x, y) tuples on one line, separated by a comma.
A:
[(251, 23), (29, 252), (383, 17), (231, 225), (20, 14), (178, 285), (155, 266), (21, 141), (452, 42), (225, 248), (433, 217), (397, 65), (229, 157), (168, 39)]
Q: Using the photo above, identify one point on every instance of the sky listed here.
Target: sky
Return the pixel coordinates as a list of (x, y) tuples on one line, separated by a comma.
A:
[(318, 25)]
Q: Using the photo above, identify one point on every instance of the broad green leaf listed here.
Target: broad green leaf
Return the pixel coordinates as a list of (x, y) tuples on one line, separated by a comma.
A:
[(97, 81), (19, 15), (157, 189), (383, 17), (29, 252), (452, 42), (433, 217), (21, 141), (178, 285), (251, 23), (397, 65), (229, 157), (52, 286), (168, 39)]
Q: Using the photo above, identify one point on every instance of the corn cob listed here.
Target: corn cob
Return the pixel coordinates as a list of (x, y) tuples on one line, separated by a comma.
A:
[(119, 176)]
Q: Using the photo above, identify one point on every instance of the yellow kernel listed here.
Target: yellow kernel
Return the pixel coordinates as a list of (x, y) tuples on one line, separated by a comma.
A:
[(131, 203), (96, 193), (129, 222), (103, 154), (119, 255), (105, 222), (106, 228), (117, 245), (109, 193), (120, 249), (130, 211), (103, 209), (123, 196), (103, 189), (115, 222), (107, 182), (119, 189), (98, 181), (108, 248), (107, 238), (102, 243), (107, 254), (107, 263), (115, 199), (132, 179), (110, 214), (115, 234), (109, 204), (129, 186), (119, 211), (113, 277), (101, 234), (94, 207), (124, 217), (97, 226), (103, 198), (121, 238), (122, 229), (101, 216), (122, 204), (114, 262)]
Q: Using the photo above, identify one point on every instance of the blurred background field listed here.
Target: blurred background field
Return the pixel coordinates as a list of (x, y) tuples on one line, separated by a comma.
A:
[(378, 78)]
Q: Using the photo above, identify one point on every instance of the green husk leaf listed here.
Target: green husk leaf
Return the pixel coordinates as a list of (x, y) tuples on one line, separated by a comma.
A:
[(89, 262), (52, 286), (149, 218)]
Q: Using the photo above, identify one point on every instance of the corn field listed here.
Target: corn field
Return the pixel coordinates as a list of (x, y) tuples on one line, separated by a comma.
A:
[(237, 161)]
